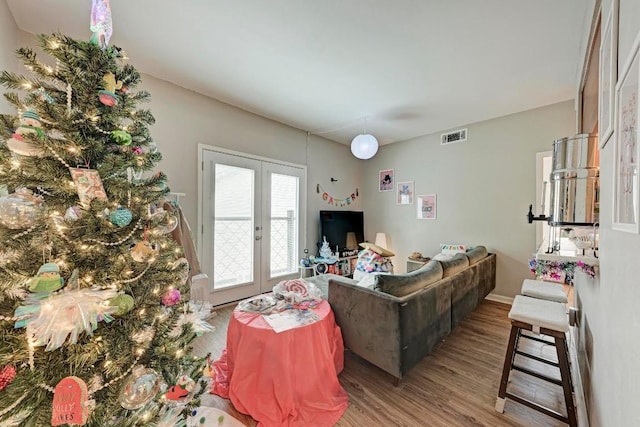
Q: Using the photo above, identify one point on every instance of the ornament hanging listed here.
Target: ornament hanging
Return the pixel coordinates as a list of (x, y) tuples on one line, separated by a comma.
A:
[(182, 392), (121, 137), (143, 251), (20, 209), (47, 280), (88, 185), (108, 95), (171, 297), (139, 388), (29, 126), (70, 405), (72, 213), (124, 303), (7, 374), (121, 217)]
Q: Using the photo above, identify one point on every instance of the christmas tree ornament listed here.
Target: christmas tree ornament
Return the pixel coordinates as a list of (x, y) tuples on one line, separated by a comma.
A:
[(139, 388), (121, 217), (88, 185), (182, 392), (47, 280), (208, 371), (30, 126), (121, 137), (72, 213), (7, 374), (20, 209), (124, 303), (101, 23), (171, 297), (108, 96), (70, 405), (170, 223), (143, 251), (195, 315), (52, 318)]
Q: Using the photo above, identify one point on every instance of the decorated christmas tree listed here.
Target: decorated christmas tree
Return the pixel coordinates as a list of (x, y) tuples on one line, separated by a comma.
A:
[(95, 323)]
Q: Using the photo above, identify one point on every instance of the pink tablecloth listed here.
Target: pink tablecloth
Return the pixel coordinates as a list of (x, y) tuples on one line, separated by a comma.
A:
[(286, 379)]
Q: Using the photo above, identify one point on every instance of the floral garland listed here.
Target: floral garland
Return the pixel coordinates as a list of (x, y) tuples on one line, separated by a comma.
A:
[(554, 269)]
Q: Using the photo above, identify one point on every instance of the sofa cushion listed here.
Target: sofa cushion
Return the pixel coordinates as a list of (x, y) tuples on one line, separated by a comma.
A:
[(456, 264), (476, 254), (400, 285)]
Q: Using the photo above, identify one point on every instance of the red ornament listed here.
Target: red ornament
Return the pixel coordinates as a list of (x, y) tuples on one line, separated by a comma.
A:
[(70, 402), (7, 374)]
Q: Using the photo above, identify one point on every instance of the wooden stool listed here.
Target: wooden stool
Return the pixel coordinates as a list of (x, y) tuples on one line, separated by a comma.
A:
[(549, 318), (544, 290)]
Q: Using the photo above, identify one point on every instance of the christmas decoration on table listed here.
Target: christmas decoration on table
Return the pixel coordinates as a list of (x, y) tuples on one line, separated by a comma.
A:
[(560, 271), (20, 209), (108, 95), (47, 280), (121, 216), (108, 317), (139, 388), (31, 127), (182, 391), (52, 318), (195, 315), (7, 374), (88, 184), (70, 405)]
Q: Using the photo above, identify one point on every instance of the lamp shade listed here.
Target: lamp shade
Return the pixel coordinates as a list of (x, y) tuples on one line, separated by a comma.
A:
[(364, 146), (381, 240), (351, 240)]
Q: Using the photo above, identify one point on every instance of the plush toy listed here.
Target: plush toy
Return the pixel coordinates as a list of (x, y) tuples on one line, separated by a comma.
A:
[(47, 280), (29, 125), (108, 95)]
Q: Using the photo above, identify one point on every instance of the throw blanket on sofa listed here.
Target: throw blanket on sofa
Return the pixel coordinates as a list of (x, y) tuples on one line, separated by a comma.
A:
[(372, 262)]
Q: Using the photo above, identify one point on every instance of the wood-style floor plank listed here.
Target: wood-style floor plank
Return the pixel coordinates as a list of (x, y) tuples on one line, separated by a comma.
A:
[(456, 385)]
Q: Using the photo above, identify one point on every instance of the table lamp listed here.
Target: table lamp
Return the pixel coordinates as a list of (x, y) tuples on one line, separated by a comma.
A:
[(381, 240), (351, 240)]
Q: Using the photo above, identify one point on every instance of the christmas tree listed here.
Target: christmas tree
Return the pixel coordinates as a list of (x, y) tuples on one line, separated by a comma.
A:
[(95, 323)]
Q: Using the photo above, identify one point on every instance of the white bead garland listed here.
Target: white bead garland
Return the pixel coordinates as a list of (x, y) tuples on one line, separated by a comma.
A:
[(24, 233), (121, 241), (69, 90), (60, 159)]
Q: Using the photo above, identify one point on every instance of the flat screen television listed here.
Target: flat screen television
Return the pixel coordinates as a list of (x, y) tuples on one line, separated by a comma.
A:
[(334, 225)]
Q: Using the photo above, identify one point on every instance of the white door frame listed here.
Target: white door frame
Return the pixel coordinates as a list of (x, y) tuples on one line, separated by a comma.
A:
[(200, 175)]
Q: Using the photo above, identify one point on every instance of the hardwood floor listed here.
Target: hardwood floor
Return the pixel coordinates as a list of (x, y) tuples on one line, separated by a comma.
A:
[(456, 385)]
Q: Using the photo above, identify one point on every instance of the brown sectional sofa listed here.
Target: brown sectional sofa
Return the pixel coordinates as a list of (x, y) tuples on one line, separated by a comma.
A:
[(399, 321)]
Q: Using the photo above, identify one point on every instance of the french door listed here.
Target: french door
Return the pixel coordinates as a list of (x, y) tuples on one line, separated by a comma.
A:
[(252, 223)]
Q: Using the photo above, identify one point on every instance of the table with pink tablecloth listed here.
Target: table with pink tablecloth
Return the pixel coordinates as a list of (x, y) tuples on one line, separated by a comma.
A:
[(283, 379)]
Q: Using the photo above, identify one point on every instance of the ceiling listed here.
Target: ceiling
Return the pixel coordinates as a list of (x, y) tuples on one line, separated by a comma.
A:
[(410, 67)]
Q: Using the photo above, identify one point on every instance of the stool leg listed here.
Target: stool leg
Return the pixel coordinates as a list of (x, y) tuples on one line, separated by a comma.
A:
[(506, 369), (566, 380)]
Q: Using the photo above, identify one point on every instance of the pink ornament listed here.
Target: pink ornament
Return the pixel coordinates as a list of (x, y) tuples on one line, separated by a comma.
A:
[(172, 297), (137, 150), (7, 374)]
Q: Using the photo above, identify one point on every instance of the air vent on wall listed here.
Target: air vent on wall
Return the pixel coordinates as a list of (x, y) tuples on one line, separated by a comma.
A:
[(452, 137)]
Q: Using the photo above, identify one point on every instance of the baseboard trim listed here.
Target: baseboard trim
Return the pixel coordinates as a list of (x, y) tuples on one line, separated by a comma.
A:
[(499, 298)]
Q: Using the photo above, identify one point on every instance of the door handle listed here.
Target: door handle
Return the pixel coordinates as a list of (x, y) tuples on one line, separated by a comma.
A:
[(258, 237)]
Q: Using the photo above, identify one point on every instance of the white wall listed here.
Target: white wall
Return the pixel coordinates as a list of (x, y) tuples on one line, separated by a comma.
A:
[(8, 45), (609, 306), (484, 187)]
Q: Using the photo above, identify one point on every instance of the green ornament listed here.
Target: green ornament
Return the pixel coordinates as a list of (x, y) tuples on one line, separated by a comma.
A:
[(121, 217), (47, 280), (124, 303), (121, 137)]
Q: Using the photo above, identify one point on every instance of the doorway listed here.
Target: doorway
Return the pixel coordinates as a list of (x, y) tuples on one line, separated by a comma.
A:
[(252, 222)]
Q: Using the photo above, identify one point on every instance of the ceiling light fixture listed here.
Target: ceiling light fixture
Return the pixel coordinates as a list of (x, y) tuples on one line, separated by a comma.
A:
[(364, 146)]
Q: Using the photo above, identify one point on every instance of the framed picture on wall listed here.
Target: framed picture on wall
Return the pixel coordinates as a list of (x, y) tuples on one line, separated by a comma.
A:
[(625, 154), (608, 75), (427, 206), (405, 193), (386, 180)]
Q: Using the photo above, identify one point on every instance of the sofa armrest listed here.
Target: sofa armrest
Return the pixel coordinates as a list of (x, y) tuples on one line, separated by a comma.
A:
[(370, 323)]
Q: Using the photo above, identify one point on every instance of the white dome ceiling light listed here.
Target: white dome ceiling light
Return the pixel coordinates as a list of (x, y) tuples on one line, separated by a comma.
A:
[(364, 146)]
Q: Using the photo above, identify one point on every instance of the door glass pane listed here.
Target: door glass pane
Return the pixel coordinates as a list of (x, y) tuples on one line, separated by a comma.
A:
[(284, 224), (233, 227)]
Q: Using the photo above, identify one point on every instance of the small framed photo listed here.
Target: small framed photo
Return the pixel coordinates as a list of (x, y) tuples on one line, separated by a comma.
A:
[(405, 193), (626, 208), (427, 206), (608, 74), (386, 180)]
